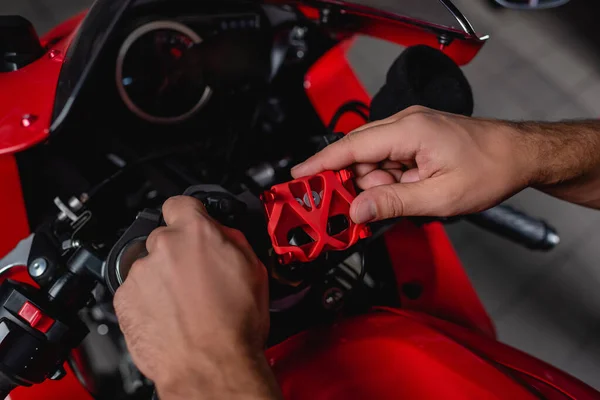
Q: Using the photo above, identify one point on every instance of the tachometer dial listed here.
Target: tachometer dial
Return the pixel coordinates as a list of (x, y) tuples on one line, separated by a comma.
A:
[(153, 78)]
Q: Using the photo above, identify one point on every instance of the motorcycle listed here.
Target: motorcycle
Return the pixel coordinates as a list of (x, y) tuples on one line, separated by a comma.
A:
[(134, 101)]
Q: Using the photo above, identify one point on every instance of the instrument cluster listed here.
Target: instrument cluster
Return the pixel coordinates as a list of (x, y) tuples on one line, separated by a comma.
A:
[(168, 69)]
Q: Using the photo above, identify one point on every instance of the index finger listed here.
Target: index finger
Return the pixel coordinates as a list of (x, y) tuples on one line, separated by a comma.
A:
[(180, 209), (370, 145)]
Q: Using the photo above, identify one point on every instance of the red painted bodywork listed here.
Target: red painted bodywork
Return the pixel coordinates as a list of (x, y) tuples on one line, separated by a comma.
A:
[(441, 345), (424, 256), (335, 192), (395, 354), (29, 92)]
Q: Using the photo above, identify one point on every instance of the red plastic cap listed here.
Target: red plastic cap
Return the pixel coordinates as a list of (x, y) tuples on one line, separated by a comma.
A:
[(35, 318)]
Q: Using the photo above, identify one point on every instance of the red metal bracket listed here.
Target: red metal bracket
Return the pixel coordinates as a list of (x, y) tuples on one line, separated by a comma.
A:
[(311, 215)]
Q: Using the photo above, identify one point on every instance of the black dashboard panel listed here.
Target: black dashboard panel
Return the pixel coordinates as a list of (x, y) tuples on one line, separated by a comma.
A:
[(165, 61), (175, 59)]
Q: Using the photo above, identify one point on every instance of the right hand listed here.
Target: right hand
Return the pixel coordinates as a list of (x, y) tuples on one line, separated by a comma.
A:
[(422, 162)]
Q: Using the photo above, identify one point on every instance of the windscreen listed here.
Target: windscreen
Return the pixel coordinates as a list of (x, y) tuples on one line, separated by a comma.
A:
[(436, 12), (104, 15)]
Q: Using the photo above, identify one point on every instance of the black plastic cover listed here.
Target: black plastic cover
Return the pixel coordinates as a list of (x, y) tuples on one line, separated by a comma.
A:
[(19, 43)]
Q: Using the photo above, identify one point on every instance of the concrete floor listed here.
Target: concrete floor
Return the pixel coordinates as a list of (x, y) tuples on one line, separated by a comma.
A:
[(534, 67)]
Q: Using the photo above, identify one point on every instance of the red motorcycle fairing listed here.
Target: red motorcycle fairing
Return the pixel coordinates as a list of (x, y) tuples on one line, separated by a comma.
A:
[(28, 94), (393, 354)]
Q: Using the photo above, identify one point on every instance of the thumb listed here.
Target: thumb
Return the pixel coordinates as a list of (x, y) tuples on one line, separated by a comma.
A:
[(421, 198)]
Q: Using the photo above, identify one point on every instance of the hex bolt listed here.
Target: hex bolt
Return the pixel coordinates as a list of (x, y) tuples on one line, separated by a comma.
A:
[(333, 298), (38, 267)]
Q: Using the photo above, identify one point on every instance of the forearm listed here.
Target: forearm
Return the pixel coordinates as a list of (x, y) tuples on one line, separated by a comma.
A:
[(564, 158)]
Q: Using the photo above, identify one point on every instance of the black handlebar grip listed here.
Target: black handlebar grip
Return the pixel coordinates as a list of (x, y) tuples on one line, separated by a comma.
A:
[(511, 224)]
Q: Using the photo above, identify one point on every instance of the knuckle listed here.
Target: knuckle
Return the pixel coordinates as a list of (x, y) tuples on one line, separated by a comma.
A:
[(158, 240), (135, 271), (417, 118), (394, 202), (201, 226), (350, 142), (238, 237), (416, 110), (170, 204)]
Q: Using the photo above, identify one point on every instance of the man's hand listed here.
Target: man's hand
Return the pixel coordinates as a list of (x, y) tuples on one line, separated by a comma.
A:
[(194, 312), (422, 162)]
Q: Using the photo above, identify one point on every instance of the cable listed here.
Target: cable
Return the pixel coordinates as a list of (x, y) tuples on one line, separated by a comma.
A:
[(353, 106), (128, 167)]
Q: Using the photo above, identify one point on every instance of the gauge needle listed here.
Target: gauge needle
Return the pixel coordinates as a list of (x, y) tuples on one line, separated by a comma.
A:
[(164, 85)]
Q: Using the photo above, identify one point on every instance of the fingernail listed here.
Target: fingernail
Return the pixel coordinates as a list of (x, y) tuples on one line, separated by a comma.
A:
[(366, 211)]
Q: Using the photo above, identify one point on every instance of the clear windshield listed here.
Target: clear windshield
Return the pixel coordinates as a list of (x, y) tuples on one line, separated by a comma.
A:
[(435, 12), (105, 15)]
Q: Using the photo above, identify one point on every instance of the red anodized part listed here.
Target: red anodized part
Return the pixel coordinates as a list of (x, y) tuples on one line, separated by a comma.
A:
[(309, 204)]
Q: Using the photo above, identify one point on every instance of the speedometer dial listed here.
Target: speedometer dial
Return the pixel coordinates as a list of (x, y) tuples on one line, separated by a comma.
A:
[(153, 78)]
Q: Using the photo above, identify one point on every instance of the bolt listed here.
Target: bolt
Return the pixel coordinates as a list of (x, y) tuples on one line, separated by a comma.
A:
[(38, 267), (59, 374), (75, 244), (316, 198), (299, 33), (102, 330), (325, 15), (53, 53), (225, 206), (332, 298), (28, 119), (75, 204)]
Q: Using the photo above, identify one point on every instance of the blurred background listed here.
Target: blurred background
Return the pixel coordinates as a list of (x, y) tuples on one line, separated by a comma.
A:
[(540, 65)]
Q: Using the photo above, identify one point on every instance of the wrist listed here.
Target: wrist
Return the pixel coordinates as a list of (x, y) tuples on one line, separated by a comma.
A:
[(512, 149), (222, 375), (526, 157)]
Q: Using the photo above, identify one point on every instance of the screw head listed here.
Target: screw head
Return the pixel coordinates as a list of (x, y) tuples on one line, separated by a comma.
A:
[(333, 298), (38, 267), (59, 374), (53, 53), (28, 119)]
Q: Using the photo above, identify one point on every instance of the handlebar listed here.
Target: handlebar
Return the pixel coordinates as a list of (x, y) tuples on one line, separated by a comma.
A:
[(518, 227)]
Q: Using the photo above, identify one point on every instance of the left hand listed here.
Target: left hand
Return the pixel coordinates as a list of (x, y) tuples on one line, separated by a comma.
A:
[(194, 312)]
